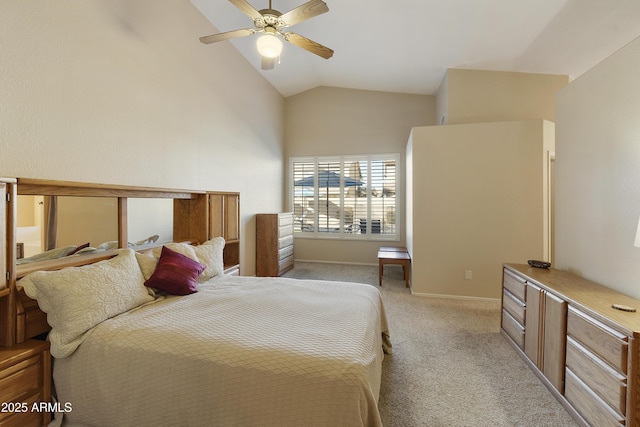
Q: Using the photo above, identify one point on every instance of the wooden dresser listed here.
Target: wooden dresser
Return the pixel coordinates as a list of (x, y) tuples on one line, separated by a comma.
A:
[(584, 350), (274, 244)]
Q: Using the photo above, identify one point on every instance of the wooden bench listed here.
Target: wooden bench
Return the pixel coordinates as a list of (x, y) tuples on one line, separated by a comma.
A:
[(394, 255)]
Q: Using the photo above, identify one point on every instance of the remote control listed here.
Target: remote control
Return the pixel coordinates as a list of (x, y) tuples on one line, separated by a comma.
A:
[(539, 264)]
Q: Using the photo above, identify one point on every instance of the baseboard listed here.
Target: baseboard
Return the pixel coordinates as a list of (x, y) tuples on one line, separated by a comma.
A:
[(463, 297), (334, 262)]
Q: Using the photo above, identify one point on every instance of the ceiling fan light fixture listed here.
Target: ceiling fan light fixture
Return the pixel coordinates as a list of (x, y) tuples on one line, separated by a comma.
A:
[(269, 45)]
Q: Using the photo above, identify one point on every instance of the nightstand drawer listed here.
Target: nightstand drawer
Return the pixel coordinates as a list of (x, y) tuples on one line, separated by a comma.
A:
[(20, 380), (609, 345), (25, 378), (22, 419)]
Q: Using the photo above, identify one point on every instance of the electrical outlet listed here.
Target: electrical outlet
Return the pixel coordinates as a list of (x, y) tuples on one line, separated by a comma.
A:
[(468, 275)]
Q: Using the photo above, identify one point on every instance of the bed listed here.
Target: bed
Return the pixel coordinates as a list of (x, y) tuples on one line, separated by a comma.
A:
[(220, 350)]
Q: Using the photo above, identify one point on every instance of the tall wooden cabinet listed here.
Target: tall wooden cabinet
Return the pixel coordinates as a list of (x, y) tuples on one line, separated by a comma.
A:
[(274, 244), (582, 348)]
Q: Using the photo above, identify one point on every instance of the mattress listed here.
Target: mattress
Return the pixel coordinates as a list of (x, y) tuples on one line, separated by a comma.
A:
[(240, 352)]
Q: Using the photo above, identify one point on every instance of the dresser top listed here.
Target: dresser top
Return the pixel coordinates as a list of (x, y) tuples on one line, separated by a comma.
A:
[(590, 296)]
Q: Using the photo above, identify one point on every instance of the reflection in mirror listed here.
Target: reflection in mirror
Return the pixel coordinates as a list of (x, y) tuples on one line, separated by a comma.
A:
[(149, 221), (55, 226)]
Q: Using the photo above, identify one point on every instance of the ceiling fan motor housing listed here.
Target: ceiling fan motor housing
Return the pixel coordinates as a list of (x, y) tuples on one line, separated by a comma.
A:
[(270, 18)]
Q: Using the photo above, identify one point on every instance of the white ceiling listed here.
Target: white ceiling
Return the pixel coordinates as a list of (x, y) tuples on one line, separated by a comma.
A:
[(406, 46)]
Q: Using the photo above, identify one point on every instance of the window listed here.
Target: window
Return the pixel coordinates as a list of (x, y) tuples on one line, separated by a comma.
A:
[(345, 197)]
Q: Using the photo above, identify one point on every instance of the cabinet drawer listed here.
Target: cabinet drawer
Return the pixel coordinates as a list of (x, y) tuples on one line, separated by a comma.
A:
[(285, 252), (23, 419), (20, 379), (285, 241), (514, 284), (606, 382), (285, 231), (609, 345), (285, 265), (514, 329), (590, 406), (513, 305), (285, 219)]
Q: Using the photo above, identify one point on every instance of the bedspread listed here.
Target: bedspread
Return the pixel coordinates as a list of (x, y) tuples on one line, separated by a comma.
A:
[(239, 352)]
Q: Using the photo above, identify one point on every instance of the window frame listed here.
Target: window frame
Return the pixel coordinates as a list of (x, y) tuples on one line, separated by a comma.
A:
[(341, 234)]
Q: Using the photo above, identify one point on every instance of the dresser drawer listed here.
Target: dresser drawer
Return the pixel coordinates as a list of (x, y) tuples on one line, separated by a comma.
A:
[(514, 329), (514, 284), (285, 241), (609, 345), (285, 264), (285, 252), (284, 231), (285, 219), (514, 306), (605, 381), (591, 407)]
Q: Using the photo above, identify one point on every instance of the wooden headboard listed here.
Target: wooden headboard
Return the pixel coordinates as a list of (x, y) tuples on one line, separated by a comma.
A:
[(198, 215)]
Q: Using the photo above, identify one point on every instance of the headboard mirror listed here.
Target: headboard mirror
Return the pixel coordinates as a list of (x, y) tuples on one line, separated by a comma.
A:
[(46, 223), (148, 218), (56, 219)]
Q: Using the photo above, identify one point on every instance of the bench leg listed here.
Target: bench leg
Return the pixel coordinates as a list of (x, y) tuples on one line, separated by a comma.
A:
[(406, 274), (380, 267)]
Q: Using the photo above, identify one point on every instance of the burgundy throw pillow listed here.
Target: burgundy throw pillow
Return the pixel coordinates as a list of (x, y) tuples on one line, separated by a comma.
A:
[(175, 273)]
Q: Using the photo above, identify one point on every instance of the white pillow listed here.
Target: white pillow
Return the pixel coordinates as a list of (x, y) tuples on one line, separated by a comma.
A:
[(78, 298), (210, 254)]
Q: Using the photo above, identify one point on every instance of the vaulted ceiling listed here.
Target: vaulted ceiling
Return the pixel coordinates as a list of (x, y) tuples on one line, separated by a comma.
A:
[(406, 46)]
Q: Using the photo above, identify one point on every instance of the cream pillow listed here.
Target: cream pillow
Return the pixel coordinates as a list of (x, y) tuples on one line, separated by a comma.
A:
[(210, 254), (78, 298)]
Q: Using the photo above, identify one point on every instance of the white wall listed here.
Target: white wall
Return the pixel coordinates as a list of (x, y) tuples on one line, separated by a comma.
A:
[(598, 172), (328, 121), (123, 92)]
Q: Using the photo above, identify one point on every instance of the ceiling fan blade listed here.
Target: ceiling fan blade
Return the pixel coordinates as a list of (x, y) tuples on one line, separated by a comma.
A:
[(228, 35), (245, 7), (309, 45), (268, 63), (305, 11)]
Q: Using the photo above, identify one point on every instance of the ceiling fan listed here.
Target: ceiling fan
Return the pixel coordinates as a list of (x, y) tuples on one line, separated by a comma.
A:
[(272, 23)]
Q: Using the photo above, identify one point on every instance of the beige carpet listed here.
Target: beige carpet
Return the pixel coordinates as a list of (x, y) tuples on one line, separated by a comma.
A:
[(450, 366)]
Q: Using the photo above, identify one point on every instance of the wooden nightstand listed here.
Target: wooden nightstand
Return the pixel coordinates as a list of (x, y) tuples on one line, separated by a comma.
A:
[(25, 379)]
